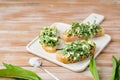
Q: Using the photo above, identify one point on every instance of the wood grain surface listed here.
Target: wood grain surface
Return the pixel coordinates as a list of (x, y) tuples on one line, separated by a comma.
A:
[(22, 20)]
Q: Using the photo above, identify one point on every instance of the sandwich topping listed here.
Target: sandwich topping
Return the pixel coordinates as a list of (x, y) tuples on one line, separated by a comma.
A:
[(49, 37), (84, 30), (75, 50)]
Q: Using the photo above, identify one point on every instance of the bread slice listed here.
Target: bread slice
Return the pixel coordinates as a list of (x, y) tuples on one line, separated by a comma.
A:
[(66, 60), (49, 49), (102, 32), (70, 38), (75, 38)]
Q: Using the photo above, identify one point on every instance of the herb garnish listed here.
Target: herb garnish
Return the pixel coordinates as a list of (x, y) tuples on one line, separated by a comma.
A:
[(75, 50), (84, 30), (48, 36)]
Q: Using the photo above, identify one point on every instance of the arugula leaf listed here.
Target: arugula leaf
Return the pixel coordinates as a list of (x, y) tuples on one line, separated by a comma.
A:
[(93, 69), (12, 71)]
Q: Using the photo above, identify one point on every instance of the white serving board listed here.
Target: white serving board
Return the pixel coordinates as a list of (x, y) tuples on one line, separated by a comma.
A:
[(94, 17), (35, 48)]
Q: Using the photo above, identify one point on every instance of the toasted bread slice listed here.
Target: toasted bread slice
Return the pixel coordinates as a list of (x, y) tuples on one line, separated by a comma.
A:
[(75, 38), (66, 60), (102, 32), (49, 49), (69, 38)]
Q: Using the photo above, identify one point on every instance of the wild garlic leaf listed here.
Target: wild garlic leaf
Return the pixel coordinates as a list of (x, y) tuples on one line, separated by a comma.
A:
[(19, 79), (114, 68), (12, 71), (93, 69), (9, 66), (119, 69)]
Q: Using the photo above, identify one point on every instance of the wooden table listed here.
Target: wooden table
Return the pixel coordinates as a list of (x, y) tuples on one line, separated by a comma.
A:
[(21, 21)]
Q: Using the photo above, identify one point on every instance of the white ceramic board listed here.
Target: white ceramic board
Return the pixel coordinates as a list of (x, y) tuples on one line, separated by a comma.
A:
[(35, 48), (94, 17)]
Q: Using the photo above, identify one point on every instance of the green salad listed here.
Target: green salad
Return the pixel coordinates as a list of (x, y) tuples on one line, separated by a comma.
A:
[(48, 36), (75, 50), (85, 30)]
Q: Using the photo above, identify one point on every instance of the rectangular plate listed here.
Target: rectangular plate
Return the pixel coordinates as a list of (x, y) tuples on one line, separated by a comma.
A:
[(35, 48)]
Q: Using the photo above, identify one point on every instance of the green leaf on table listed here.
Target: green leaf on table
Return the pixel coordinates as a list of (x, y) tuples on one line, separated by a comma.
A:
[(19, 79), (93, 68), (12, 71), (119, 69), (116, 69)]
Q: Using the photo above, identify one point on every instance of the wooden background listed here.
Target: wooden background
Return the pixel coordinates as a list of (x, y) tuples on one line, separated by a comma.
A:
[(21, 21)]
